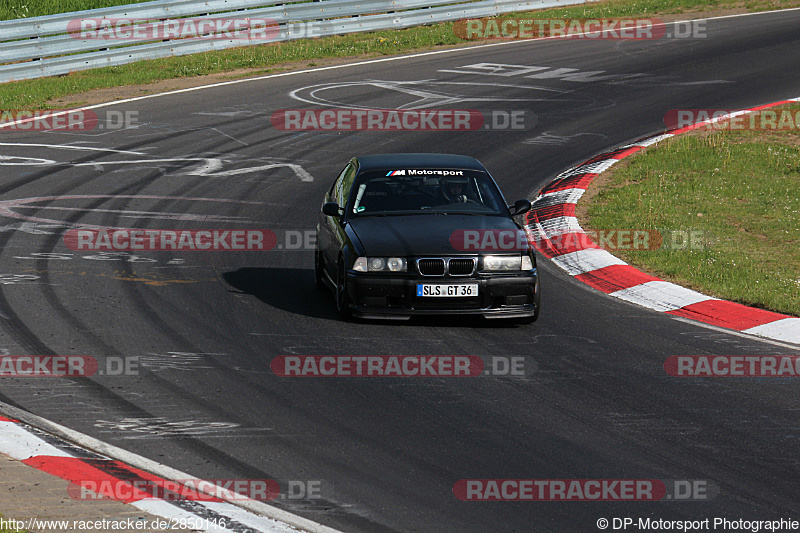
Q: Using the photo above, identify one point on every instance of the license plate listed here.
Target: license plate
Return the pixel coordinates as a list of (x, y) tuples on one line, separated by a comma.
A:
[(447, 290)]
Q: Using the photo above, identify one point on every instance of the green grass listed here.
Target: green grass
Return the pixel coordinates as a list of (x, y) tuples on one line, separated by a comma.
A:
[(35, 94), (17, 9), (741, 187)]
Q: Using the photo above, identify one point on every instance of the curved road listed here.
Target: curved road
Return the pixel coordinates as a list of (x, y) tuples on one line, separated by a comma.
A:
[(204, 326)]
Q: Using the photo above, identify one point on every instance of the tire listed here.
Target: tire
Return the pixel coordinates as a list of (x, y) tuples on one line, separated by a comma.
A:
[(319, 271), (342, 298)]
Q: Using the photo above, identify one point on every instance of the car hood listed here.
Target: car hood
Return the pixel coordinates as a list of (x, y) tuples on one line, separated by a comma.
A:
[(419, 235)]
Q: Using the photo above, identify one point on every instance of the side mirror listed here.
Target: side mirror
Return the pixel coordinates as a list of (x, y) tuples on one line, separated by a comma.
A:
[(519, 207), (331, 209)]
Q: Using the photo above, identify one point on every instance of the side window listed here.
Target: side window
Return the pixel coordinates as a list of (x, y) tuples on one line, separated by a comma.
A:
[(347, 183), (341, 187), (336, 188)]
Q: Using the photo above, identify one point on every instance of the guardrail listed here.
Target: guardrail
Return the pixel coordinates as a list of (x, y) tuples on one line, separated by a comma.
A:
[(53, 45)]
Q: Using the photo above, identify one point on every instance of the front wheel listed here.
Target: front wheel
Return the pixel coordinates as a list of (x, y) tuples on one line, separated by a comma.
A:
[(342, 298)]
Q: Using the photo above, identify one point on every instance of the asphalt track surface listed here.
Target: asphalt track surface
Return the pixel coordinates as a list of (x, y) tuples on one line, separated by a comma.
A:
[(596, 402)]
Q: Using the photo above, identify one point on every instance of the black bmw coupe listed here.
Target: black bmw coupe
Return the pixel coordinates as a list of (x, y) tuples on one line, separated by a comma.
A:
[(422, 234)]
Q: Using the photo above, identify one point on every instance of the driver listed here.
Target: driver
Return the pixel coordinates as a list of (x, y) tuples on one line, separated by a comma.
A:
[(454, 189)]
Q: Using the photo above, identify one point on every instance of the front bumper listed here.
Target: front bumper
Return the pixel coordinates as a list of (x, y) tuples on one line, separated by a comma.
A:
[(507, 295)]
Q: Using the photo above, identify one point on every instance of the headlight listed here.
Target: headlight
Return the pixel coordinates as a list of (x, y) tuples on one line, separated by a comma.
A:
[(502, 262), (380, 264), (396, 264)]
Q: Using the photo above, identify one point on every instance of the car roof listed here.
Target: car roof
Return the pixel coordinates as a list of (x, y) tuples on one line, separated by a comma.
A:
[(421, 161)]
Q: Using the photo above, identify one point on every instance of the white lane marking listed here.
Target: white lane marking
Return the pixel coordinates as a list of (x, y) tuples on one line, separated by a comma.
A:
[(507, 70), (503, 70), (101, 256), (661, 296), (229, 136), (157, 215), (136, 161), (299, 171), (175, 361), (161, 427), (32, 228), (548, 139), (18, 279), (73, 147), (785, 329), (13, 160), (582, 261), (17, 442), (426, 97), (577, 75), (572, 75), (7, 209), (208, 167)]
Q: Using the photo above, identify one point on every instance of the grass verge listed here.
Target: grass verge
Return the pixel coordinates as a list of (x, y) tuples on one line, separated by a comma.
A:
[(18, 9), (255, 60), (739, 188)]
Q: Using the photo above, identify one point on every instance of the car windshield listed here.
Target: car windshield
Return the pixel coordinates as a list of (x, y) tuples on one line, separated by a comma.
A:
[(423, 191)]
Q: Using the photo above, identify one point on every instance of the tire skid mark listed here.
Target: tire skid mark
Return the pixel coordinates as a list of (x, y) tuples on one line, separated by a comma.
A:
[(34, 345)]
